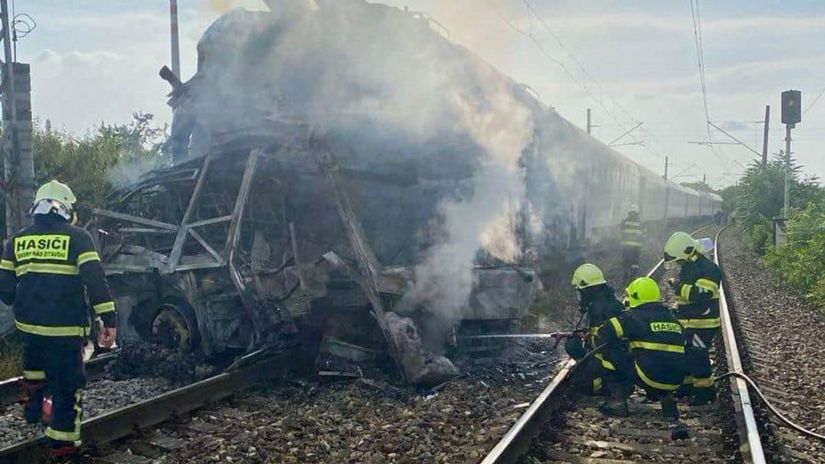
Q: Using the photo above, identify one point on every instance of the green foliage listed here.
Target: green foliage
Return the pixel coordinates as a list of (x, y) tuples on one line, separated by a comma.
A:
[(758, 198), (10, 357), (801, 263), (759, 195), (91, 164), (760, 236)]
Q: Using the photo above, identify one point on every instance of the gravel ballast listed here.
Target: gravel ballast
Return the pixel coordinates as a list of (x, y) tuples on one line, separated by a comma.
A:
[(783, 337)]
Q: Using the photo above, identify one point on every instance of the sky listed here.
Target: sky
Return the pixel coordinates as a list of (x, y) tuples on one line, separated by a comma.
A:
[(630, 61)]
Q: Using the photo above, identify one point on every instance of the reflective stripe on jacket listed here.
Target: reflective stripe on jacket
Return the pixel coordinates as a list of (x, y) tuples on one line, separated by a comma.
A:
[(631, 232), (47, 271), (698, 293), (656, 340)]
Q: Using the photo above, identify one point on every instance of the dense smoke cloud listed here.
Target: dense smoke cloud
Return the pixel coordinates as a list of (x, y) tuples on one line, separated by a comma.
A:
[(397, 91)]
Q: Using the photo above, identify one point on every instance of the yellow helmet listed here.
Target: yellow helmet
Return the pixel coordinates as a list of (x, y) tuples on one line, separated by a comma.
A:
[(642, 290), (680, 246), (57, 191), (587, 275)]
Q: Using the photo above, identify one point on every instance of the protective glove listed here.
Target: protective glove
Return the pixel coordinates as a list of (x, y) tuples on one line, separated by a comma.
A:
[(107, 337)]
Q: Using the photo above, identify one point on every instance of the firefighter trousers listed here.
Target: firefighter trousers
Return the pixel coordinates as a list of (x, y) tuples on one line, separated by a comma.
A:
[(700, 373), (55, 364)]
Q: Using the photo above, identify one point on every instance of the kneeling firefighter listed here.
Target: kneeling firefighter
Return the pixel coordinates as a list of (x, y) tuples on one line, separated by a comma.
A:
[(47, 271), (657, 343), (598, 303), (697, 309)]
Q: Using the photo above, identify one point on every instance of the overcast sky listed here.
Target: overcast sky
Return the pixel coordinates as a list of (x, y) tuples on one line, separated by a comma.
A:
[(629, 60)]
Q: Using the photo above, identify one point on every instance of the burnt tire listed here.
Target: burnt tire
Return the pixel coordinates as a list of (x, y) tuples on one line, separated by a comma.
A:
[(175, 327)]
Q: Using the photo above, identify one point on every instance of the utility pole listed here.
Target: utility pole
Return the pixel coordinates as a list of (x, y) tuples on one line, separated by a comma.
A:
[(765, 137), (667, 190), (173, 19), (18, 165), (787, 203), (589, 123)]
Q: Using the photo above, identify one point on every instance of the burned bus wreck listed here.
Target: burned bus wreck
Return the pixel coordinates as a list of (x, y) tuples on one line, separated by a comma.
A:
[(265, 240)]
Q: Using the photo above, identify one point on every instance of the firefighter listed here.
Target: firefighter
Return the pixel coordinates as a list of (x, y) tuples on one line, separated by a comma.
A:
[(47, 271), (598, 303), (656, 340), (697, 308), (631, 232)]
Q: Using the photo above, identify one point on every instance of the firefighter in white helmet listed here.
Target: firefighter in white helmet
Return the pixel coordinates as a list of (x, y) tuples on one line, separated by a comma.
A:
[(697, 308), (47, 272)]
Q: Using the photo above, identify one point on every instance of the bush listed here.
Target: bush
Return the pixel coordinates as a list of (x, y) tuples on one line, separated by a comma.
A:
[(801, 263), (760, 236)]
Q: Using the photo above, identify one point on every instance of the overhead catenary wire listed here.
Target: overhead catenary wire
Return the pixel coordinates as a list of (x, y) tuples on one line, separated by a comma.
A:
[(821, 92), (532, 13), (543, 50), (696, 18), (572, 56)]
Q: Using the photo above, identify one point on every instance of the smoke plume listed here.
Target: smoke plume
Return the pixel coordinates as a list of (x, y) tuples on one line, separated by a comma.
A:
[(386, 82)]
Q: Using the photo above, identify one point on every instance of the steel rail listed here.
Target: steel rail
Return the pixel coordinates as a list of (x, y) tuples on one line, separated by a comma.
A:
[(750, 444), (127, 420), (516, 442), (10, 388)]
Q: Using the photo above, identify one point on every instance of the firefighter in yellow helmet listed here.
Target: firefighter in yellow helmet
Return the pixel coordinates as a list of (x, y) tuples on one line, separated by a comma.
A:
[(631, 235), (50, 272), (598, 303), (697, 308), (656, 341)]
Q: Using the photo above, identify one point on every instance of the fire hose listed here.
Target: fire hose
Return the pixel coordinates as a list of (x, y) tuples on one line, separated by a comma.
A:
[(750, 382)]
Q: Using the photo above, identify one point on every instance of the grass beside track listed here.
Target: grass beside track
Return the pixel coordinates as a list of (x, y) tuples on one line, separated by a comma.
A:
[(10, 352)]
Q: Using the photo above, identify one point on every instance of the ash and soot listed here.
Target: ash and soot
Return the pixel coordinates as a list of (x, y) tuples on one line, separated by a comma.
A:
[(377, 78)]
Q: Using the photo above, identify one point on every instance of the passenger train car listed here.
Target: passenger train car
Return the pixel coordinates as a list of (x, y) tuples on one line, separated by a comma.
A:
[(590, 187), (247, 231)]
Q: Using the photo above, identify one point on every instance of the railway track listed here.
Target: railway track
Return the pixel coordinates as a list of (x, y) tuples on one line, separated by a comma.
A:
[(558, 426), (10, 388), (252, 370), (562, 426)]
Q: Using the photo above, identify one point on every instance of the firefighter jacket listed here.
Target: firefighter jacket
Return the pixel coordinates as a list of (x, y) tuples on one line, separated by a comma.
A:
[(697, 290), (600, 304), (632, 231), (656, 341), (44, 271)]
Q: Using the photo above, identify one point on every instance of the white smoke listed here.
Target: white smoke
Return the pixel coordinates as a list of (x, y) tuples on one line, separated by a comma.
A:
[(353, 67), (503, 128)]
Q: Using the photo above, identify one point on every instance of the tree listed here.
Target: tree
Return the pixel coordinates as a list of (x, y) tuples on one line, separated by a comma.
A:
[(94, 163), (761, 192), (759, 195)]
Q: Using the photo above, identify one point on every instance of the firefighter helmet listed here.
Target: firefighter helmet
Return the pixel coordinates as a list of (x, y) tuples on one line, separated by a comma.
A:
[(587, 275), (642, 290), (57, 191), (680, 246), (54, 197)]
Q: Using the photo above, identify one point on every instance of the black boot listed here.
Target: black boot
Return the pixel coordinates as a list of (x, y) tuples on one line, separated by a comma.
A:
[(64, 453), (703, 396), (616, 405), (669, 409), (680, 432), (32, 400)]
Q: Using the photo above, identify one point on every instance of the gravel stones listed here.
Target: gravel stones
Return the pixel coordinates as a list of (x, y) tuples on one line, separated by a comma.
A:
[(355, 422), (784, 351)]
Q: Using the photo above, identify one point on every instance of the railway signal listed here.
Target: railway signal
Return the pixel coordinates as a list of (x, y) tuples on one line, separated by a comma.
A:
[(791, 116)]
